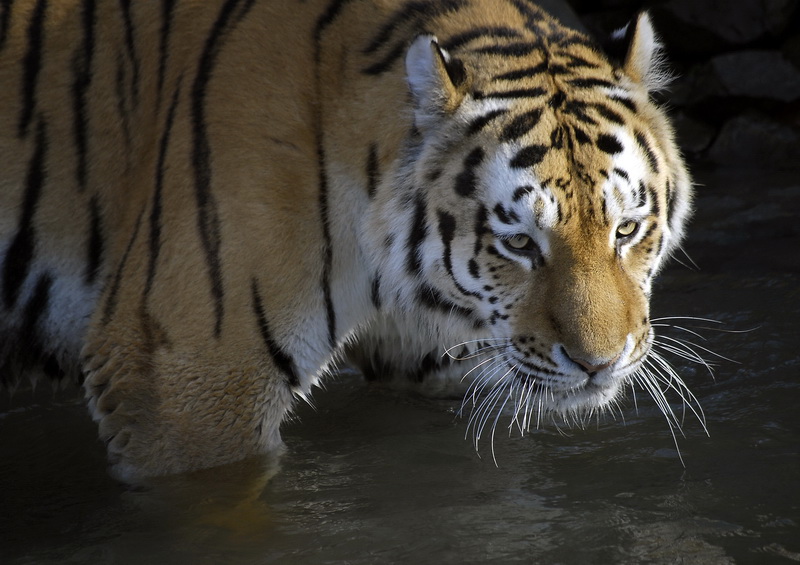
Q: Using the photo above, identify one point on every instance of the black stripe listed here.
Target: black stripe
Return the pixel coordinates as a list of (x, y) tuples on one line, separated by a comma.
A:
[(95, 245), (641, 194), (521, 192), (243, 11), (581, 136), (130, 46), (650, 229), (82, 71), (572, 39), (282, 360), (521, 125), (527, 72), (671, 202), (590, 82), (557, 137), (375, 293), (579, 62), (113, 288), (621, 173), (654, 205), (447, 231), (480, 122), (386, 63), (481, 228), (608, 144), (558, 69), (418, 233), (372, 170), (433, 299), (31, 65), (529, 156), (156, 210), (659, 245), (327, 265), (474, 269), (5, 19), (429, 364), (563, 37), (508, 217), (608, 113), (423, 11), (208, 222), (557, 100), (167, 10), (467, 181), (29, 337), (515, 93), (652, 159), (323, 22), (461, 39), (19, 255), (627, 102), (416, 12), (326, 19), (532, 14), (578, 109), (122, 100), (516, 49)]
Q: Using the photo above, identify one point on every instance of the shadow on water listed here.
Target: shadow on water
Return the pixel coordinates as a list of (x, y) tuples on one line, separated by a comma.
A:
[(373, 476)]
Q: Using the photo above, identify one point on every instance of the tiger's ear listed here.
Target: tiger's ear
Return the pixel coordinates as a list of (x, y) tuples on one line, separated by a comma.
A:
[(437, 81), (643, 56)]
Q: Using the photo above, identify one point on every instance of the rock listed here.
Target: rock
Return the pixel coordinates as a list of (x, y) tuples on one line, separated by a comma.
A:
[(764, 74), (694, 26), (693, 135), (756, 140), (791, 50)]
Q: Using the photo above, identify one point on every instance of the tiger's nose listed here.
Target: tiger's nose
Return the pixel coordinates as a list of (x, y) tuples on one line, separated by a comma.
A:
[(593, 367)]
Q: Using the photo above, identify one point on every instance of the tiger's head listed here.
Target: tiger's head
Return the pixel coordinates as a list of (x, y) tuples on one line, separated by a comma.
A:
[(539, 194)]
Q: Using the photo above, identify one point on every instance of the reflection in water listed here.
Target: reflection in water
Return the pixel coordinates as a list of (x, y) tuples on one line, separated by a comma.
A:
[(373, 476)]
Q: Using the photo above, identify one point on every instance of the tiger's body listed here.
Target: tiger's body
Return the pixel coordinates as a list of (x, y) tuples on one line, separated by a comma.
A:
[(203, 201)]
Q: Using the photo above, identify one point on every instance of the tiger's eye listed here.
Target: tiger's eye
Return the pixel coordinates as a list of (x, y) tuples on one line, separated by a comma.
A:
[(519, 242), (627, 229)]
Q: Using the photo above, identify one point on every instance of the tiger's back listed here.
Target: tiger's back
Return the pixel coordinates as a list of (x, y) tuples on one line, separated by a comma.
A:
[(203, 201)]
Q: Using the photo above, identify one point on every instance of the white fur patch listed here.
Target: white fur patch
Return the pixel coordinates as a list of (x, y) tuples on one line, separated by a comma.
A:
[(538, 210)]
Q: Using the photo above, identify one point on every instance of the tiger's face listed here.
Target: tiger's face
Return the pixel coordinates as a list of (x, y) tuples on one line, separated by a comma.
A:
[(541, 210), (555, 263)]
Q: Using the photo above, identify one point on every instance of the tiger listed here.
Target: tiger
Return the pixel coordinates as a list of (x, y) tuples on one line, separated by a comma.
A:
[(207, 204)]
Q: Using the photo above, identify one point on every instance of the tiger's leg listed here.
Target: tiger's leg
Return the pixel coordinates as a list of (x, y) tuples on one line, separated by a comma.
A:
[(162, 410), (172, 386)]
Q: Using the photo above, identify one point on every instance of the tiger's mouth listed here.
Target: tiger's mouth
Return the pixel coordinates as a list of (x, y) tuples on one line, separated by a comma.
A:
[(565, 377), (573, 392), (531, 392)]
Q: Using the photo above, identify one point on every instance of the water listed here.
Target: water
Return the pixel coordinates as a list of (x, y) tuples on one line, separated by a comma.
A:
[(373, 476)]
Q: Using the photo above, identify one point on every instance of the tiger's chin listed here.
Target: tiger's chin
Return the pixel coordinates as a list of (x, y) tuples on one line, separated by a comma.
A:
[(514, 397), (583, 400)]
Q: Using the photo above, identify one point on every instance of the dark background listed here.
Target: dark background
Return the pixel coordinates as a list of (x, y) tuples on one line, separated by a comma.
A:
[(736, 93)]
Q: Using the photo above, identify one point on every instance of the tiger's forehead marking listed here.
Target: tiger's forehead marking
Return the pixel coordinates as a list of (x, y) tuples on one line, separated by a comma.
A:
[(539, 153), (627, 174), (521, 190)]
